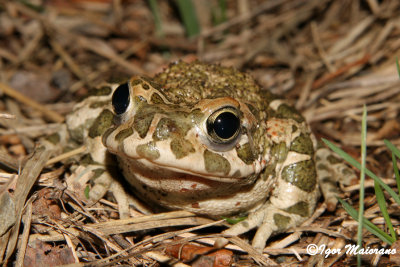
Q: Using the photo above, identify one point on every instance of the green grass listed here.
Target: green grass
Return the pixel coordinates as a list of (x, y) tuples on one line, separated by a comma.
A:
[(362, 180), (378, 185), (189, 17), (219, 12), (157, 19), (356, 164)]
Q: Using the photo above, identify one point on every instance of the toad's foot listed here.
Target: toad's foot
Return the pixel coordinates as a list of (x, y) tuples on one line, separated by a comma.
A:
[(102, 183), (277, 215), (330, 171)]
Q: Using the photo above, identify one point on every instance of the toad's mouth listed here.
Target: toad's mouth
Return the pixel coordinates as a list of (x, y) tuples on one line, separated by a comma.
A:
[(157, 170), (147, 176)]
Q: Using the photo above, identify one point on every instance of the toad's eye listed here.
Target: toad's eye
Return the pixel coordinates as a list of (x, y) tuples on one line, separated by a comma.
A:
[(120, 99), (223, 126)]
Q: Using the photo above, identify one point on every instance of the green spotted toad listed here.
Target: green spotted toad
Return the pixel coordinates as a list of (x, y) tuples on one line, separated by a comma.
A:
[(207, 139)]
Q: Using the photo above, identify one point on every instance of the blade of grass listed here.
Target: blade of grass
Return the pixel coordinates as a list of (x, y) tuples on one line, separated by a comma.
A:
[(395, 152), (396, 171), (219, 13), (362, 179), (356, 164), (392, 148), (37, 8), (382, 205), (398, 66), (157, 20), (367, 224), (189, 17)]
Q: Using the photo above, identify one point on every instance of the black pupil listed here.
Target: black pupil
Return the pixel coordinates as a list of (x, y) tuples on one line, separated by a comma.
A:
[(120, 98), (226, 125)]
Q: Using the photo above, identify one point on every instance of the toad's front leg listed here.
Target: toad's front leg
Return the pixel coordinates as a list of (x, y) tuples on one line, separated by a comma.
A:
[(292, 201)]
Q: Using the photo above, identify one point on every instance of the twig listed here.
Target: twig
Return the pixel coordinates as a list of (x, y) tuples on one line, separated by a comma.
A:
[(52, 115)]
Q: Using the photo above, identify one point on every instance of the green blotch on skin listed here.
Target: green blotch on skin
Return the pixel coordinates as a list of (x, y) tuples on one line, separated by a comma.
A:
[(333, 160), (97, 173), (300, 208), (156, 99), (40, 149), (148, 151), (302, 144), (164, 128), (287, 112), (330, 183), (196, 115), (136, 82), (328, 180), (103, 122), (172, 128), (87, 160), (269, 170), (107, 133), (279, 151), (99, 104), (245, 154), (54, 138), (145, 86), (237, 174), (334, 190), (347, 172), (321, 166), (142, 122), (181, 147), (281, 221), (301, 174), (216, 163), (102, 91), (151, 82), (294, 128), (123, 134), (77, 133), (139, 99)]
